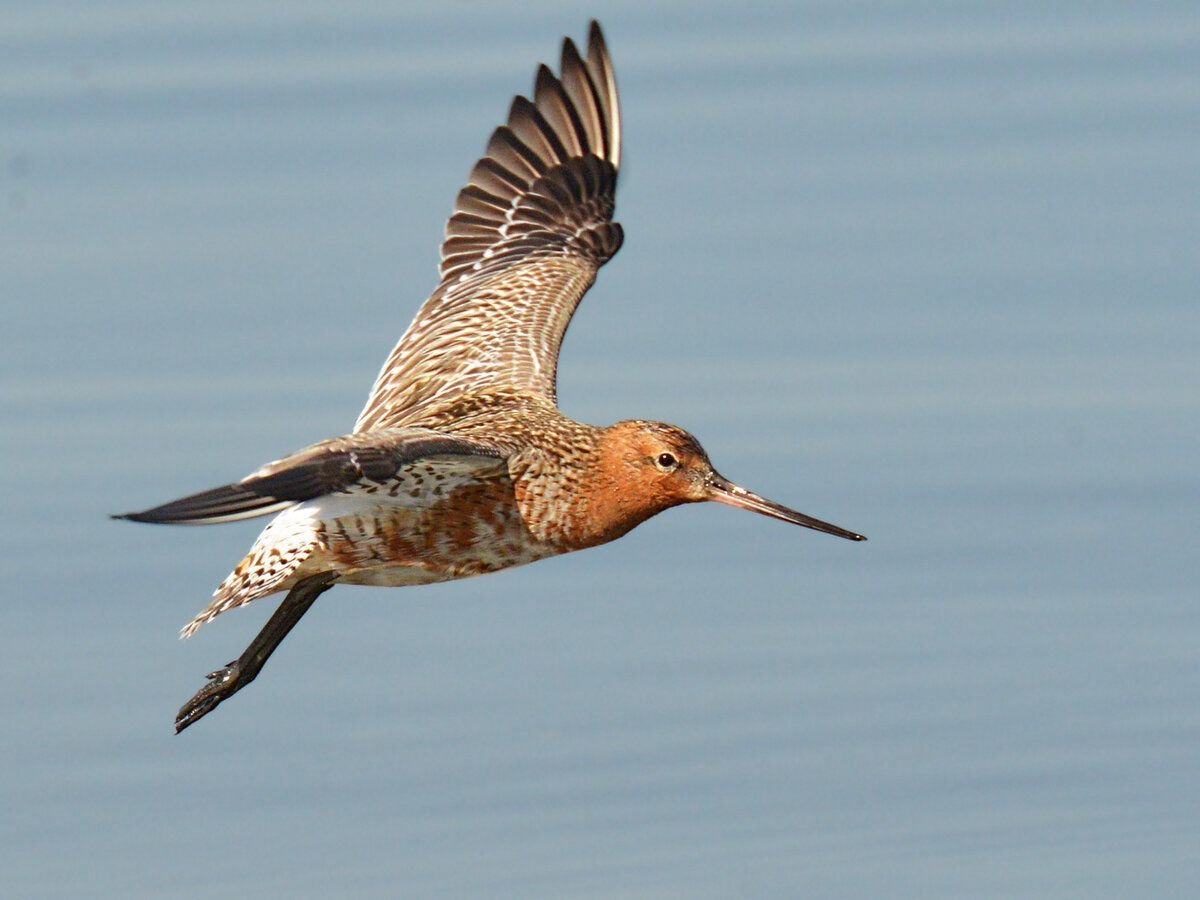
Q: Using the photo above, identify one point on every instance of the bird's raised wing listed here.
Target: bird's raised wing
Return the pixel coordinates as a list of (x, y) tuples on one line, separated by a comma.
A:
[(528, 234), (338, 465)]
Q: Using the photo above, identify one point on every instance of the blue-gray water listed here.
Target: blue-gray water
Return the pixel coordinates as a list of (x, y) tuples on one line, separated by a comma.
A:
[(928, 270)]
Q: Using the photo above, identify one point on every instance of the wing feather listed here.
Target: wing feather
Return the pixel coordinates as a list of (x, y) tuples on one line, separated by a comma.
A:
[(328, 467), (529, 231)]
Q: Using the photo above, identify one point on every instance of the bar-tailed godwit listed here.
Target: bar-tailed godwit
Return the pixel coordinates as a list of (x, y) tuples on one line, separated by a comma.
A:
[(461, 462)]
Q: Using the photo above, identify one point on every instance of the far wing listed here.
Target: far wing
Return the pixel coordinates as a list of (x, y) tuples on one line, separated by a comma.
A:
[(528, 234), (332, 466)]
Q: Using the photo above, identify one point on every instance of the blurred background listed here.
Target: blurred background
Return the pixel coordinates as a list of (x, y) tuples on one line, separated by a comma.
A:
[(927, 270)]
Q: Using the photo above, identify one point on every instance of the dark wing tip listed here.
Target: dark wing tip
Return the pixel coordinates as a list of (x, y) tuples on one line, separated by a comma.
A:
[(132, 516), (600, 66), (223, 504), (573, 117)]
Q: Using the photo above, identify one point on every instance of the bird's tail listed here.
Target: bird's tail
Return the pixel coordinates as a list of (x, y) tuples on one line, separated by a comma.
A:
[(275, 563)]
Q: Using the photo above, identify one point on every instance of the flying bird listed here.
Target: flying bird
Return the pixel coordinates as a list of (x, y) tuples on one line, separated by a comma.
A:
[(461, 462)]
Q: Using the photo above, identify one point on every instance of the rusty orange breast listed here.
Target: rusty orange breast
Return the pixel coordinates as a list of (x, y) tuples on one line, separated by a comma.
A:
[(596, 494)]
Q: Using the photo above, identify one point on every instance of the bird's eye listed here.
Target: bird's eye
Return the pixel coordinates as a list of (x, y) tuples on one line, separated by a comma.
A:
[(667, 461)]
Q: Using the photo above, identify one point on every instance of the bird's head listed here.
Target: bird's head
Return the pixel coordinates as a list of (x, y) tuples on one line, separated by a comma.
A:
[(646, 467)]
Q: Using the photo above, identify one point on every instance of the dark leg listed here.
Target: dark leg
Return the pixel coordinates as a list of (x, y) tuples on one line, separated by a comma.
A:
[(224, 683)]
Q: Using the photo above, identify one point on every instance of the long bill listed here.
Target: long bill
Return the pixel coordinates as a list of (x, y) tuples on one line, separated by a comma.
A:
[(724, 491)]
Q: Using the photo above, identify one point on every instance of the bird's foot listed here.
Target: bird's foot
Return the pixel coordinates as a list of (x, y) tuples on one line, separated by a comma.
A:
[(222, 684)]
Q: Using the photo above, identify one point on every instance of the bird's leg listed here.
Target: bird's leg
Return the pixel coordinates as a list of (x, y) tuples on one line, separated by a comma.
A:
[(224, 683)]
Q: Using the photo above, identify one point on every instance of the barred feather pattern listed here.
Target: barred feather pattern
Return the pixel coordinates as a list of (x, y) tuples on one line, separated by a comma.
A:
[(529, 232)]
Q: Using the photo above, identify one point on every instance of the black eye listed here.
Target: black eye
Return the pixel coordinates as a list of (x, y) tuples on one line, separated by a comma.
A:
[(667, 461)]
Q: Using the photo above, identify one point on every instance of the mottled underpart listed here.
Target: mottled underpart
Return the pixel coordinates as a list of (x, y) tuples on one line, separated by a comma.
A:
[(438, 519)]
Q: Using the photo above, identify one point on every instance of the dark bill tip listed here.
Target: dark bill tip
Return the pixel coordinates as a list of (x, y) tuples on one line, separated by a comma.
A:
[(723, 491)]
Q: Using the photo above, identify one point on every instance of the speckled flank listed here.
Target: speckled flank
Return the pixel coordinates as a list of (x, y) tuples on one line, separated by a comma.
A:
[(477, 529), (388, 533)]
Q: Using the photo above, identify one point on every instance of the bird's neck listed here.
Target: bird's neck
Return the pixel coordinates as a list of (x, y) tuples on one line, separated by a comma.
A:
[(588, 497)]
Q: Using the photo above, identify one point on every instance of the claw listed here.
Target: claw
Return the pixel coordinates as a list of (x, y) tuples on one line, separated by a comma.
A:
[(222, 684)]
